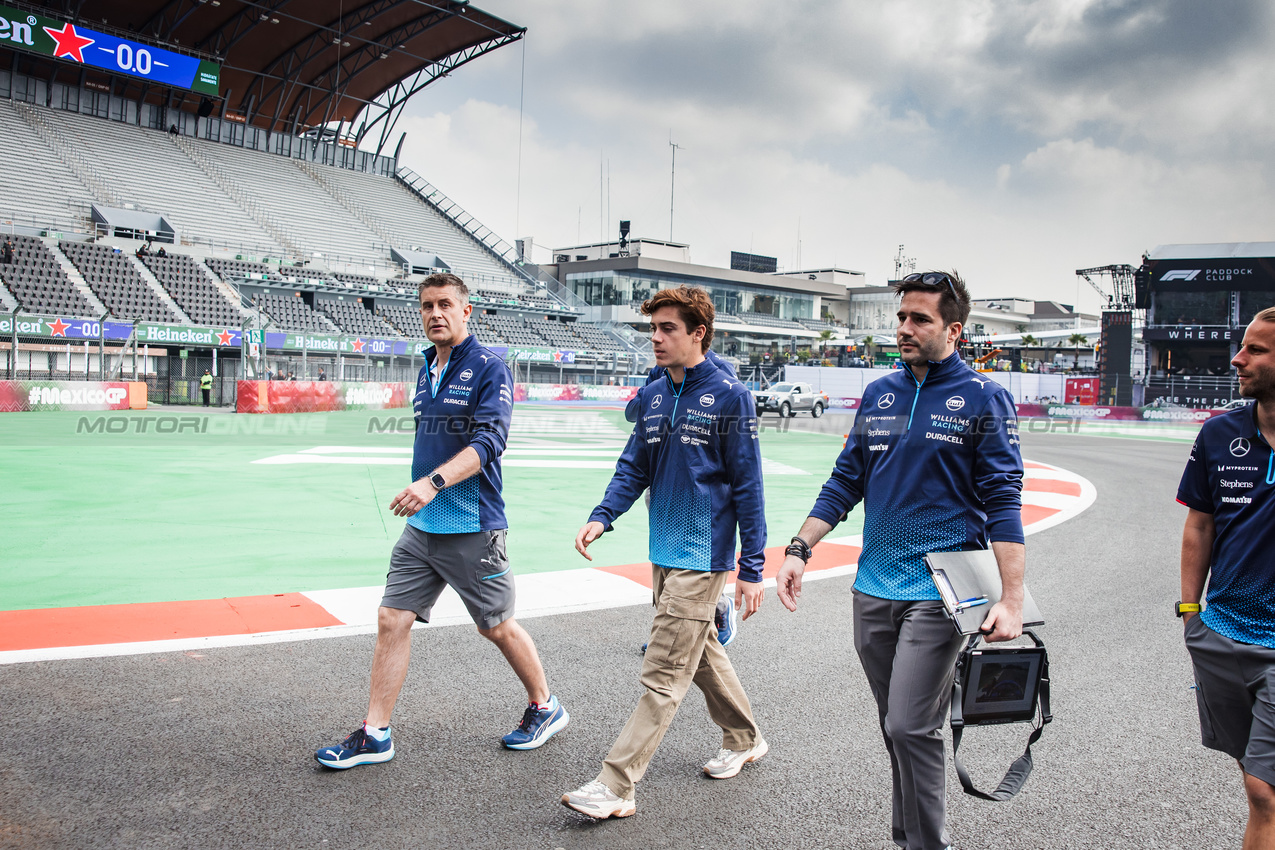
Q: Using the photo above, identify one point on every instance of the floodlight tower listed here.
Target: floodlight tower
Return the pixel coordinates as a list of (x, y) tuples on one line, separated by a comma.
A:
[(901, 263), (672, 184)]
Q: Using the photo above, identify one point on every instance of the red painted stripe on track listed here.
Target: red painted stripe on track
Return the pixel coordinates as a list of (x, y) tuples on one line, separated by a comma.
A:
[(1035, 513), (96, 624), (1030, 465), (826, 556), (1052, 485)]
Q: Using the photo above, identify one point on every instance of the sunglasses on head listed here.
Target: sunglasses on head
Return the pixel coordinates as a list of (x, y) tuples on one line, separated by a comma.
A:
[(933, 279)]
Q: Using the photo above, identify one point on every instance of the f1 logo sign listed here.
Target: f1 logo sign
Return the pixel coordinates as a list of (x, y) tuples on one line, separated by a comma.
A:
[(1181, 274)]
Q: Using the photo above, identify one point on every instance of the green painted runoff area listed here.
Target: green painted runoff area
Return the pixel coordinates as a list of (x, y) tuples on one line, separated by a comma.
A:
[(164, 505)]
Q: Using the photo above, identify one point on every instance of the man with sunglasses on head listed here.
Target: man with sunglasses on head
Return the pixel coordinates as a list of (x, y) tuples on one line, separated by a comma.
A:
[(934, 458)]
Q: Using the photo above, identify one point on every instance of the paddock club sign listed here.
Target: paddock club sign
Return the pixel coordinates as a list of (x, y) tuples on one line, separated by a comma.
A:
[(223, 337), (1212, 274), (82, 46)]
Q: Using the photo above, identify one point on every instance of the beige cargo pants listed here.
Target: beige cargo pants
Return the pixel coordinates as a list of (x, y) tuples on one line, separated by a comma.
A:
[(683, 648)]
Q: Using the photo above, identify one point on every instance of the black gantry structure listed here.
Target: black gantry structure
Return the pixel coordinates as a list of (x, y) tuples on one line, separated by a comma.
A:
[(1121, 294)]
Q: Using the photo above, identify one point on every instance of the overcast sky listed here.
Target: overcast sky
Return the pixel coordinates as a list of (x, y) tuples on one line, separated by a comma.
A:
[(1016, 141)]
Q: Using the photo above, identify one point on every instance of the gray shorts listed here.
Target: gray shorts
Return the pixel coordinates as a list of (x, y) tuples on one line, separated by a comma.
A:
[(475, 565), (1235, 695)]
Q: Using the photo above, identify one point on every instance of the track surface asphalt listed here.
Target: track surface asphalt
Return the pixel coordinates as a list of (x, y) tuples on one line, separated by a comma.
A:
[(214, 749)]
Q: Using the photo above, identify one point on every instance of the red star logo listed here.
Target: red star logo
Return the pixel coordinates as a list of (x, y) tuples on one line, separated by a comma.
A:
[(224, 337), (58, 326), (358, 346), (69, 42)]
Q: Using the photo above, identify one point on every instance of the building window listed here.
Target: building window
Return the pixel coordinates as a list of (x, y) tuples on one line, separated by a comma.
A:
[(1253, 302), (1193, 308)]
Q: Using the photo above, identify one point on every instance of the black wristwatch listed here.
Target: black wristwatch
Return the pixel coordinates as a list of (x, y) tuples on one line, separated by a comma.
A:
[(1186, 608), (437, 480)]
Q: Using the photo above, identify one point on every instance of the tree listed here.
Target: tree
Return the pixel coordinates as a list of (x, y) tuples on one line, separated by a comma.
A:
[(868, 342), (1029, 341), (1075, 341)]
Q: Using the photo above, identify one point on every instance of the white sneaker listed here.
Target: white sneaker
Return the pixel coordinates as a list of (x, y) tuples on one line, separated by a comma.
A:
[(729, 763), (596, 800)]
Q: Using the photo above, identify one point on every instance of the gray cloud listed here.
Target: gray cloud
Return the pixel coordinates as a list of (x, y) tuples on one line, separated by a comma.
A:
[(1077, 134)]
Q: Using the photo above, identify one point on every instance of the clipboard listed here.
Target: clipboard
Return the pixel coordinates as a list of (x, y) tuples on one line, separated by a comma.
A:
[(969, 583)]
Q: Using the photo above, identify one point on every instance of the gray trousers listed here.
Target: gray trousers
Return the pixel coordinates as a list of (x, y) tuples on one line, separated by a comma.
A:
[(908, 651)]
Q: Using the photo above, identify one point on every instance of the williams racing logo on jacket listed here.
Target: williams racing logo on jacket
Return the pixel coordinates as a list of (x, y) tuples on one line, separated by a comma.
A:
[(947, 428)]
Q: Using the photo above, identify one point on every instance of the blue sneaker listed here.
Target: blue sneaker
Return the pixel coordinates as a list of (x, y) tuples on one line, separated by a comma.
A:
[(359, 748), (537, 726), (726, 620)]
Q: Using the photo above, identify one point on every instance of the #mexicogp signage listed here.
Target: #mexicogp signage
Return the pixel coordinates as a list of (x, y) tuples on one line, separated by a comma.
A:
[(66, 41)]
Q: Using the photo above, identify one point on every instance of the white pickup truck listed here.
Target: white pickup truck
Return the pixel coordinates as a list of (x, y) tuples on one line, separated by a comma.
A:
[(789, 398)]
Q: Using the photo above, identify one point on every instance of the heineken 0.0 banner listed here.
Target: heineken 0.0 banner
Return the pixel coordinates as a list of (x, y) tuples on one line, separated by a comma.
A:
[(82, 46), (184, 336)]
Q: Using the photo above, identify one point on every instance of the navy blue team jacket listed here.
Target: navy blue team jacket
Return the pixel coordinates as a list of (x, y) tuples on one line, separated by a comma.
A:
[(631, 409), (1231, 475), (471, 407), (696, 448), (938, 467)]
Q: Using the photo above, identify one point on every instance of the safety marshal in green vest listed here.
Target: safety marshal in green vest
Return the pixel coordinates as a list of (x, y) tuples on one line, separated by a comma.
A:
[(205, 385)]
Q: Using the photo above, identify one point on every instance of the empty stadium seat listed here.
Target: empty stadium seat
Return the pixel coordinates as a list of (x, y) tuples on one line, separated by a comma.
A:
[(113, 278), (192, 289), (38, 283), (353, 317)]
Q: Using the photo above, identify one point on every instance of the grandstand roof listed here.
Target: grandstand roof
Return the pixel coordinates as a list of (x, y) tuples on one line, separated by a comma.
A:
[(290, 65)]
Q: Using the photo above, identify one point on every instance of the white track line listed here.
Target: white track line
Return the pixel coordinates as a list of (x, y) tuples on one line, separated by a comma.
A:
[(539, 594)]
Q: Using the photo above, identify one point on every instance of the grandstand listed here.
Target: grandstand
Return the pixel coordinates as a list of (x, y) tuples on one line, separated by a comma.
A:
[(145, 168), (277, 211), (261, 207)]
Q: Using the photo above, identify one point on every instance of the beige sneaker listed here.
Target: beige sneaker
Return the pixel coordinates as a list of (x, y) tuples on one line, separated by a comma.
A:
[(729, 763), (596, 800)]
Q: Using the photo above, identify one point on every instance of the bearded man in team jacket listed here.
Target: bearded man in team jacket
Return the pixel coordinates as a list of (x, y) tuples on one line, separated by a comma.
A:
[(934, 457)]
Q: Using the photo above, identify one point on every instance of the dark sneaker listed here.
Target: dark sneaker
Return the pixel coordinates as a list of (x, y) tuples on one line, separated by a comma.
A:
[(726, 620), (597, 801), (359, 748), (537, 726)]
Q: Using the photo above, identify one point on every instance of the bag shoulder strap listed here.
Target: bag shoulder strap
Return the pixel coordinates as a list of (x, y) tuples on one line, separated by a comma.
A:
[(1016, 777)]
